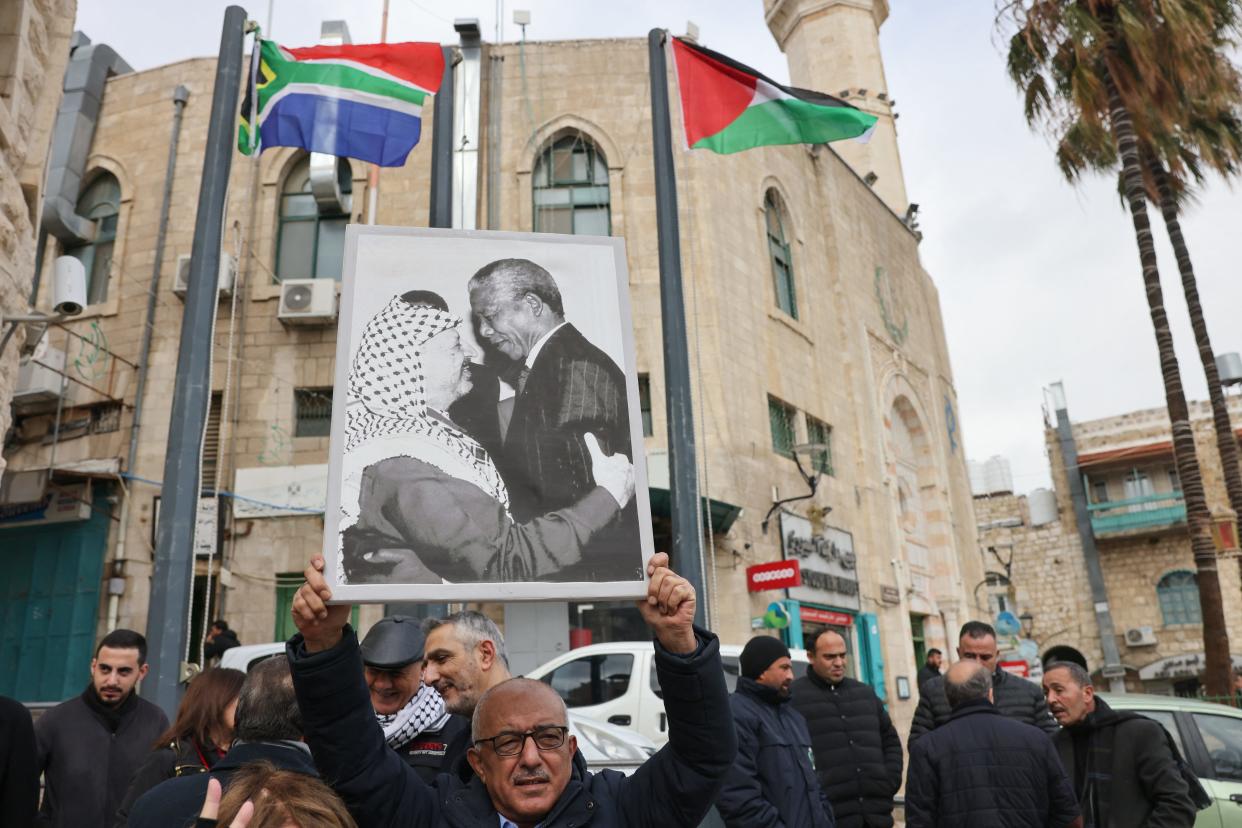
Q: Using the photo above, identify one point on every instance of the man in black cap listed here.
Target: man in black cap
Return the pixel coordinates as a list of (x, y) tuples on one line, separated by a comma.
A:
[(411, 713), (772, 781)]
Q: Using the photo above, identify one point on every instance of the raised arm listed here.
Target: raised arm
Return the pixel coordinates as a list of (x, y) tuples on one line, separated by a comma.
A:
[(338, 723), (685, 775)]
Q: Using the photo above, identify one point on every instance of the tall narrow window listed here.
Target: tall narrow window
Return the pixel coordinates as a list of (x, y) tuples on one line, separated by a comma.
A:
[(570, 189), (99, 202), (1178, 593), (310, 243), (781, 420), (820, 432), (312, 412), (644, 403), (778, 249)]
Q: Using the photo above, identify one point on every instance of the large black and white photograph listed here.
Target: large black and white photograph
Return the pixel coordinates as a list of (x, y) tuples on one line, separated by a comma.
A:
[(486, 439)]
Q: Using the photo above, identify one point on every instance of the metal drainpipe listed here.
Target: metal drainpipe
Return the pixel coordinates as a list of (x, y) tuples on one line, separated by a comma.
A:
[(180, 96)]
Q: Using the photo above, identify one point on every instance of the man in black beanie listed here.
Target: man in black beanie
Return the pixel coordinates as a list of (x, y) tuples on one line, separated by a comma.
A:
[(773, 780)]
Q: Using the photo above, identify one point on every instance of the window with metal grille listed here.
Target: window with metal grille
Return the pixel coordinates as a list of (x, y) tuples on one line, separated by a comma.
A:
[(1178, 593), (312, 412), (211, 446), (569, 186), (644, 403), (101, 202), (778, 249), (781, 419), (818, 431), (309, 244)]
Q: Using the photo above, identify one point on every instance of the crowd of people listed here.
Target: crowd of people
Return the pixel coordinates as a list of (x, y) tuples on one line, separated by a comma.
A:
[(422, 724)]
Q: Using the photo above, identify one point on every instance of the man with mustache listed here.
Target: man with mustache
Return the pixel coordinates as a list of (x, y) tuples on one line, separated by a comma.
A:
[(772, 781), (1122, 765), (527, 770), (566, 388), (90, 746)]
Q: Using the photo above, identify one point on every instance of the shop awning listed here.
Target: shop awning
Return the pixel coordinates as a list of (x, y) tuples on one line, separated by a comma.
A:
[(722, 514)]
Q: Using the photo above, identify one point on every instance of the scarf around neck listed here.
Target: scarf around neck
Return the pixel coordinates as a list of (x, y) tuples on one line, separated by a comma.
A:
[(423, 712), (109, 714)]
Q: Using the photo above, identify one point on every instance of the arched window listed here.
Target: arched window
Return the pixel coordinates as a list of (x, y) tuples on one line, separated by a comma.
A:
[(1179, 598), (310, 244), (570, 189), (99, 202), (782, 261)]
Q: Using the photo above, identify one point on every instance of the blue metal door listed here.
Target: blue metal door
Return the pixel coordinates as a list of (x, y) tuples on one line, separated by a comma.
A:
[(49, 602)]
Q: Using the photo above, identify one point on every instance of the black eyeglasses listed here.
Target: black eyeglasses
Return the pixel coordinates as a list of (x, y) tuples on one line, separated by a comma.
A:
[(548, 737)]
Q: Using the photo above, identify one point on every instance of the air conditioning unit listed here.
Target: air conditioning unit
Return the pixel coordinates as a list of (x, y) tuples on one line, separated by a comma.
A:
[(40, 380), (307, 302), (224, 287), (1140, 637)]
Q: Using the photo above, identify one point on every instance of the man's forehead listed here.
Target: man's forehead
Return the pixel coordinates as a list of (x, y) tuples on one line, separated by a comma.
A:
[(117, 657), (985, 643), (523, 707), (443, 638)]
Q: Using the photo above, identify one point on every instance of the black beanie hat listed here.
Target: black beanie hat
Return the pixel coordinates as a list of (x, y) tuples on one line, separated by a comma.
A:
[(759, 654)]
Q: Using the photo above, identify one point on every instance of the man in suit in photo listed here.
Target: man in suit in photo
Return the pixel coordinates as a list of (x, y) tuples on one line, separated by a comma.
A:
[(565, 387)]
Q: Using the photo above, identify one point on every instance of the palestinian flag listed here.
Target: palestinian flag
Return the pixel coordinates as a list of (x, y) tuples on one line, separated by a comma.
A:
[(361, 102), (727, 107)]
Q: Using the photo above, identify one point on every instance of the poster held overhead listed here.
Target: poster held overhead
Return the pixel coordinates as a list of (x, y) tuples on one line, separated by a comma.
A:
[(486, 439)]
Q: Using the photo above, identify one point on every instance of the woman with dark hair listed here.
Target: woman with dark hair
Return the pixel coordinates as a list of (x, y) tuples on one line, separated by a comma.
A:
[(193, 743)]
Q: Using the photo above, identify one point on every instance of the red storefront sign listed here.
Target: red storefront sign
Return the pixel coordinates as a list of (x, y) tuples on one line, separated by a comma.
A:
[(775, 575), (819, 616), (1018, 668)]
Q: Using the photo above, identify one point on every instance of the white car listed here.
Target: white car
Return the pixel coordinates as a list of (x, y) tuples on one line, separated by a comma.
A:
[(616, 682), (603, 745)]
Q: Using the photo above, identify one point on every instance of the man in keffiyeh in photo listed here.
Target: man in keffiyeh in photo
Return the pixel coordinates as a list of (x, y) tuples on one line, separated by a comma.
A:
[(422, 501)]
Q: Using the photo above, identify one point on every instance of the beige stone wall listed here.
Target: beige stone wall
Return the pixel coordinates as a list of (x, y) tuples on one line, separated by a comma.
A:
[(34, 48), (864, 345)]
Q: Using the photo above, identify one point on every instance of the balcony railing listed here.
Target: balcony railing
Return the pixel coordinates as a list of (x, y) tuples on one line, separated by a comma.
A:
[(1137, 513)]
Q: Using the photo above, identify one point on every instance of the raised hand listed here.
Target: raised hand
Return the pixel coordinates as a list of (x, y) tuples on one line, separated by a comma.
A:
[(614, 472), (669, 607), (319, 622)]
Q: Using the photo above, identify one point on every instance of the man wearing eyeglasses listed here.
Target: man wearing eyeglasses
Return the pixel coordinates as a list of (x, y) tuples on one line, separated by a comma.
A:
[(857, 750), (527, 770), (1015, 697)]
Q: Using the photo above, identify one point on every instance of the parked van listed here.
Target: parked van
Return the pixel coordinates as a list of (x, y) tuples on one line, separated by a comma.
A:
[(616, 683)]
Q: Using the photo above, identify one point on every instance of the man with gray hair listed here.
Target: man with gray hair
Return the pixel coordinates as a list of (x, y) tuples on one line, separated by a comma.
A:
[(565, 388), (1124, 766), (982, 769)]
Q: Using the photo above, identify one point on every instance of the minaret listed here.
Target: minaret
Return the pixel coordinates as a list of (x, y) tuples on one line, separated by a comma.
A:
[(833, 46)]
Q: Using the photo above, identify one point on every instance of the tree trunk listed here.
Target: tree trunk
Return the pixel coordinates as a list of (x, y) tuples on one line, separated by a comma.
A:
[(1217, 664), (1226, 439)]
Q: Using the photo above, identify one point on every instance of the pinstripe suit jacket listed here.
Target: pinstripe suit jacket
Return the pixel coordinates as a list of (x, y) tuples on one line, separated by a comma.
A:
[(573, 388)]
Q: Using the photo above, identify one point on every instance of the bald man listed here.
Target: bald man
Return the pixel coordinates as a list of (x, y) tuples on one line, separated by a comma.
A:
[(857, 750), (980, 769), (526, 770)]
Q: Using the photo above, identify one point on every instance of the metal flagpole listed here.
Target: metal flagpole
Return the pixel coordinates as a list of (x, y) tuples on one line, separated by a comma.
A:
[(373, 178), (167, 623), (686, 552)]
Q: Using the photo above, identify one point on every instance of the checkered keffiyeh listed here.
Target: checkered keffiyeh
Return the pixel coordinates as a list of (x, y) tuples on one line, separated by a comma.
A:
[(387, 398)]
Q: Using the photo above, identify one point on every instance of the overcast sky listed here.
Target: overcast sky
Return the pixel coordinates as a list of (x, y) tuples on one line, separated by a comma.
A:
[(1038, 280)]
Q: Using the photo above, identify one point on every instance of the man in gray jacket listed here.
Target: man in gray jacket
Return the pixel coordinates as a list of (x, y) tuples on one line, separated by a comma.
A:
[(1016, 698), (91, 745)]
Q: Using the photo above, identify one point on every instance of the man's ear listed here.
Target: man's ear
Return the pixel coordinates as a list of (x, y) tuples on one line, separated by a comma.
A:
[(534, 303), (94, 664), (487, 653), (476, 762), (142, 671)]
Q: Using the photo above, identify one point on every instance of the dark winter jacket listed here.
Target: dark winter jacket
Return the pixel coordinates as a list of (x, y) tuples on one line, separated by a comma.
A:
[(19, 776), (857, 750), (926, 673), (220, 642), (175, 803), (1016, 698), (86, 764), (674, 787), (428, 752), (772, 782), (982, 769), (180, 757), (1123, 772)]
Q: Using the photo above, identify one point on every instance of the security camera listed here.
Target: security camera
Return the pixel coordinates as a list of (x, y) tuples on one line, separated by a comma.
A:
[(68, 286)]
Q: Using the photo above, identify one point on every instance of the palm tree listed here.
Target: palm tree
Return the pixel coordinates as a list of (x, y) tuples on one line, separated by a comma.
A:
[(1085, 66)]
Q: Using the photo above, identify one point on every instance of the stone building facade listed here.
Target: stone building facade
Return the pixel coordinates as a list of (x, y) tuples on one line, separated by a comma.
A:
[(34, 47), (1138, 520), (811, 320)]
